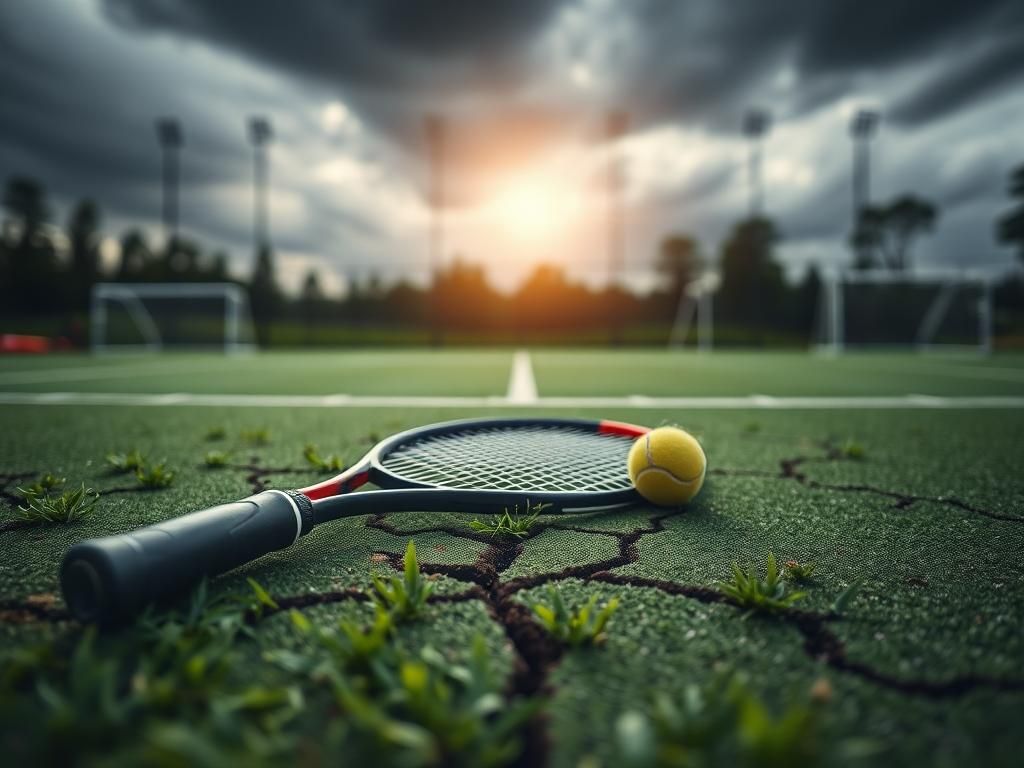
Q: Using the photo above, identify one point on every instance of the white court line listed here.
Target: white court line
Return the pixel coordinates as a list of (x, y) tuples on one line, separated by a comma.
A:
[(897, 402), (522, 387)]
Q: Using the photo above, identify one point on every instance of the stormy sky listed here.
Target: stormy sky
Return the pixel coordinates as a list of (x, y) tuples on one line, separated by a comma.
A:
[(524, 88)]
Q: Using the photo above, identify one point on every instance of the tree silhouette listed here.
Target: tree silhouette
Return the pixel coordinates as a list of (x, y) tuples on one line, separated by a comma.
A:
[(83, 234), (1010, 227), (264, 295), (136, 258), (679, 261), (753, 292), (886, 233), (32, 273)]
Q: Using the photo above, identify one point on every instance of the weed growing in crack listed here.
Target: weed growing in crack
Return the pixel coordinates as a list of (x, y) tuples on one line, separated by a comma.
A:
[(213, 434), (851, 449), (748, 590), (42, 486), (329, 463), (510, 523), (404, 598), (843, 600), (396, 707), (723, 723), (169, 688), (256, 437), (123, 463), (154, 476), (348, 648), (797, 572), (42, 509), (216, 459), (575, 628)]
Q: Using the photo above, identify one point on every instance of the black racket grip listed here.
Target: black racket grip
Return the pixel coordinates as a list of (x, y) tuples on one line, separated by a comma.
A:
[(112, 579)]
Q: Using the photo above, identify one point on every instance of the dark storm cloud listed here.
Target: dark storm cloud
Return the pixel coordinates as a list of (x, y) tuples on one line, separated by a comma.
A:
[(392, 43), (707, 61), (990, 71), (81, 86), (700, 61)]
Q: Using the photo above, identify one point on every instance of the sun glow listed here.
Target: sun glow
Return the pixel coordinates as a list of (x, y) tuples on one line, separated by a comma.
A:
[(533, 209)]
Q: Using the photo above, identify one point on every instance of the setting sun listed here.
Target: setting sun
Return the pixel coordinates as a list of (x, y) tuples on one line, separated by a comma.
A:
[(533, 209)]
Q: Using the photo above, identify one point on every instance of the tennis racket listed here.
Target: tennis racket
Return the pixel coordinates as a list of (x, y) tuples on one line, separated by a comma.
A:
[(476, 465)]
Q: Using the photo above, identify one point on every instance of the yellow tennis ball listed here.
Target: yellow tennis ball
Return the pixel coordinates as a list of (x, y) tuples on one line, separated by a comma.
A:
[(667, 466)]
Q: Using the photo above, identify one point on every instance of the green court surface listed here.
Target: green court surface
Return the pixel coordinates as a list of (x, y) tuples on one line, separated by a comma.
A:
[(923, 508), (561, 373)]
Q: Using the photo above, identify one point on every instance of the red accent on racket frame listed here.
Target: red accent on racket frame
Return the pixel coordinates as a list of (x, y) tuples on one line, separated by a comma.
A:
[(336, 485), (621, 428)]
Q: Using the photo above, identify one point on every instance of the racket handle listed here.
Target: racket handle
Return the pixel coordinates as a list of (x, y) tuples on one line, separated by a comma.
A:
[(109, 580)]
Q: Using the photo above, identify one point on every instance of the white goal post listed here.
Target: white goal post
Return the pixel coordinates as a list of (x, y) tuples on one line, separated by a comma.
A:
[(696, 303), (221, 309), (934, 293)]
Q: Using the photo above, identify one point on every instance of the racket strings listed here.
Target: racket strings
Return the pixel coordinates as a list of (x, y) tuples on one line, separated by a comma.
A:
[(526, 458)]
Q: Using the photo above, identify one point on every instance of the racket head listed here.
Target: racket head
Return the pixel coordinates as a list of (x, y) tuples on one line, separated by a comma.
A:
[(562, 462)]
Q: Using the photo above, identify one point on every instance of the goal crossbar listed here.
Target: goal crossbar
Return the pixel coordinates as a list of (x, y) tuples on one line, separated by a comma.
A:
[(132, 297)]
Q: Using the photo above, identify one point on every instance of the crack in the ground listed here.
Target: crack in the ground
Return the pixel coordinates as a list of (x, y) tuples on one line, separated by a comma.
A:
[(259, 474), (6, 479), (790, 469)]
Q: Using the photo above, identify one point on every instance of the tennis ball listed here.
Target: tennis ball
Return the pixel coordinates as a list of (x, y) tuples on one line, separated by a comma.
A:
[(667, 466)]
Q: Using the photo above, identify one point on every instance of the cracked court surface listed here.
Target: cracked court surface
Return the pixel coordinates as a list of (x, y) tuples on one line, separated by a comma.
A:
[(928, 661)]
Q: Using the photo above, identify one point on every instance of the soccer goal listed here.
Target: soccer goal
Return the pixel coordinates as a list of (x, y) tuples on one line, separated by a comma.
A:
[(696, 306), (158, 316), (926, 311)]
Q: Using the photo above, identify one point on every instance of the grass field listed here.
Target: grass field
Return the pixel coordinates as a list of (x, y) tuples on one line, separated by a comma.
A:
[(919, 504)]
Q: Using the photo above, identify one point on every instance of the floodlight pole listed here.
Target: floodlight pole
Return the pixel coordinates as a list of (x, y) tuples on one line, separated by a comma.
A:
[(435, 130), (756, 124), (169, 134), (260, 134), (617, 122), (862, 128)]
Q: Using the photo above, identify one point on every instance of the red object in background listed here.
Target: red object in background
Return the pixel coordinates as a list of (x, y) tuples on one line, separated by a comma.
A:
[(17, 343)]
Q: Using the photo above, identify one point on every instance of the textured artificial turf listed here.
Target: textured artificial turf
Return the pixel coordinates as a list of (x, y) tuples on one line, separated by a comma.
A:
[(563, 373), (927, 664), (659, 374)]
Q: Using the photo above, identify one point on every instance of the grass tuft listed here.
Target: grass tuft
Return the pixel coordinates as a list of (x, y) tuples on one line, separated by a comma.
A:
[(748, 590), (214, 434), (404, 598), (575, 627), (42, 486), (797, 572), (256, 437), (510, 523), (843, 600), (67, 507), (851, 449), (329, 463), (154, 476), (216, 459), (123, 463), (723, 723)]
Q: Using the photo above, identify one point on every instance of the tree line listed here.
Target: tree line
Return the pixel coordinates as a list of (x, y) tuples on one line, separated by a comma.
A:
[(46, 271)]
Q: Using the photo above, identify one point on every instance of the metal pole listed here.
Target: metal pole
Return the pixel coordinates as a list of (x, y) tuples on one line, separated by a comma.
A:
[(260, 134), (705, 313), (616, 125), (435, 130), (169, 135), (862, 128), (756, 124)]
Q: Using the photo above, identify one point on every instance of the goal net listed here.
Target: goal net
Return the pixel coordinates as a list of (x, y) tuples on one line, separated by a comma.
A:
[(924, 311), (157, 316), (694, 313)]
